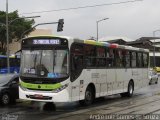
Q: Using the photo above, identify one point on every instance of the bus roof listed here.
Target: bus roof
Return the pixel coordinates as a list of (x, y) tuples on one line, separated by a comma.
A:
[(113, 45), (93, 42)]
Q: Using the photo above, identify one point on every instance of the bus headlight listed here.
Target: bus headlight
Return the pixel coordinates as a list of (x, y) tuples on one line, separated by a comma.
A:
[(60, 89), (23, 88)]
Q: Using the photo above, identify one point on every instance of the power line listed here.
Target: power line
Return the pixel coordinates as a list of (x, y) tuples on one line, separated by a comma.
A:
[(83, 7)]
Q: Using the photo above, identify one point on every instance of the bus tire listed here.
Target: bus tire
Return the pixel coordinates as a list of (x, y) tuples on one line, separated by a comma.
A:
[(130, 90), (156, 81), (89, 97), (5, 99)]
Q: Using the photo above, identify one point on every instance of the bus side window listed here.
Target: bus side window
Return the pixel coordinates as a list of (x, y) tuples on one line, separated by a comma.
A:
[(133, 59), (101, 57), (145, 60), (139, 60), (124, 58), (128, 59), (118, 58), (111, 58), (90, 56), (76, 60), (3, 62), (12, 62)]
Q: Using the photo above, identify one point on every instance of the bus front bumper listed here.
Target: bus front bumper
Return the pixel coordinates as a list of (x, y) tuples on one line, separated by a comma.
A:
[(62, 96)]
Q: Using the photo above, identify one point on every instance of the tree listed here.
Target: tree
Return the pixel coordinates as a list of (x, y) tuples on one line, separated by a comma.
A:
[(16, 28)]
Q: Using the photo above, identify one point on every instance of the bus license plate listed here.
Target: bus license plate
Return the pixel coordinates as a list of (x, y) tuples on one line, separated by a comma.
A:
[(38, 96)]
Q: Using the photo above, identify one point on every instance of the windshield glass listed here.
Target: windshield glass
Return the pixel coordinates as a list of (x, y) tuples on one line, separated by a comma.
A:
[(44, 63)]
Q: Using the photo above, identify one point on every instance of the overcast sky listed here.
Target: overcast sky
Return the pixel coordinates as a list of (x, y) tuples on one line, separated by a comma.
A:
[(132, 20)]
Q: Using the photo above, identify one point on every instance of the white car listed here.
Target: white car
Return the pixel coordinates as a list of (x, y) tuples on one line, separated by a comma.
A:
[(153, 77)]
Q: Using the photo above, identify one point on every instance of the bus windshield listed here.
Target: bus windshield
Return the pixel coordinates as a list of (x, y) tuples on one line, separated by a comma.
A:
[(44, 63)]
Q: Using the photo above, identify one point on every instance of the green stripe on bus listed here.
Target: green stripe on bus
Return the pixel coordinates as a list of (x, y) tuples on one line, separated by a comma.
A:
[(41, 86)]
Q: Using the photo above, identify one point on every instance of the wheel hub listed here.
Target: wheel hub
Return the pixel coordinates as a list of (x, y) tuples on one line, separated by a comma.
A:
[(5, 99), (130, 90), (88, 96)]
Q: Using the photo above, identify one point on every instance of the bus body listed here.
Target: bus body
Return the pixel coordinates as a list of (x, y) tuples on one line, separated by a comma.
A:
[(14, 64), (63, 69)]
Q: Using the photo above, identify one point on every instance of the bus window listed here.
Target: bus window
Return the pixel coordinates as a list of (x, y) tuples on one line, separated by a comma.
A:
[(139, 60), (118, 58), (3, 63), (76, 61), (110, 58), (101, 57), (133, 61), (90, 56), (124, 58), (145, 60), (12, 62), (128, 59)]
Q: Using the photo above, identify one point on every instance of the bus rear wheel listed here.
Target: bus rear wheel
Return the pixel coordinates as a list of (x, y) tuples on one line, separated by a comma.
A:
[(129, 93), (89, 97)]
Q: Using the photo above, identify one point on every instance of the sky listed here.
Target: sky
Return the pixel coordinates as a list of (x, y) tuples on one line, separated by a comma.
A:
[(132, 20)]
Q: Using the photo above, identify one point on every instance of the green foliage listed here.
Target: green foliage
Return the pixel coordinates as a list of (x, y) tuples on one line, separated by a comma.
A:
[(16, 28)]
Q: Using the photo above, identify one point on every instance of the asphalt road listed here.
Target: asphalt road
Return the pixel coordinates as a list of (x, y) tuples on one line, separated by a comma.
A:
[(145, 101)]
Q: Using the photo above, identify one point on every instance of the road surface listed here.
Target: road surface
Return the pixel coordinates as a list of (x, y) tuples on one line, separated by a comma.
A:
[(145, 103)]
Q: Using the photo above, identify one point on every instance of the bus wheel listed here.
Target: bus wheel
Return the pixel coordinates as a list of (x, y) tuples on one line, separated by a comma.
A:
[(129, 93), (156, 81), (5, 99), (130, 89), (89, 97)]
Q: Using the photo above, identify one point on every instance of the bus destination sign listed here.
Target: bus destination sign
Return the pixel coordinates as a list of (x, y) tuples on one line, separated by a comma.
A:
[(46, 42)]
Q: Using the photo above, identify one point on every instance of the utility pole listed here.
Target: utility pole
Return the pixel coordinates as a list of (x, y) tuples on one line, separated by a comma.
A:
[(7, 37)]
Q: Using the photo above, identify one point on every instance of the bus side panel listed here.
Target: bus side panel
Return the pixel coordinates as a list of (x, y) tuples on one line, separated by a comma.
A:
[(111, 77), (145, 81), (135, 78), (93, 77), (78, 87), (102, 81), (75, 91), (140, 77), (123, 77), (128, 76)]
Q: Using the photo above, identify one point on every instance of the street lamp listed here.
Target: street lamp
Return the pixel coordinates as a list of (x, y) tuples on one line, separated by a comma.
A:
[(154, 59), (97, 25)]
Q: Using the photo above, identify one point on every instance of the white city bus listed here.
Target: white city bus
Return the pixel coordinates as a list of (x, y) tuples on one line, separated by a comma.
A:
[(63, 69)]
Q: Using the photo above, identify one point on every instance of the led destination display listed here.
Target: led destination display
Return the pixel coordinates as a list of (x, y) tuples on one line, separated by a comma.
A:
[(46, 42)]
